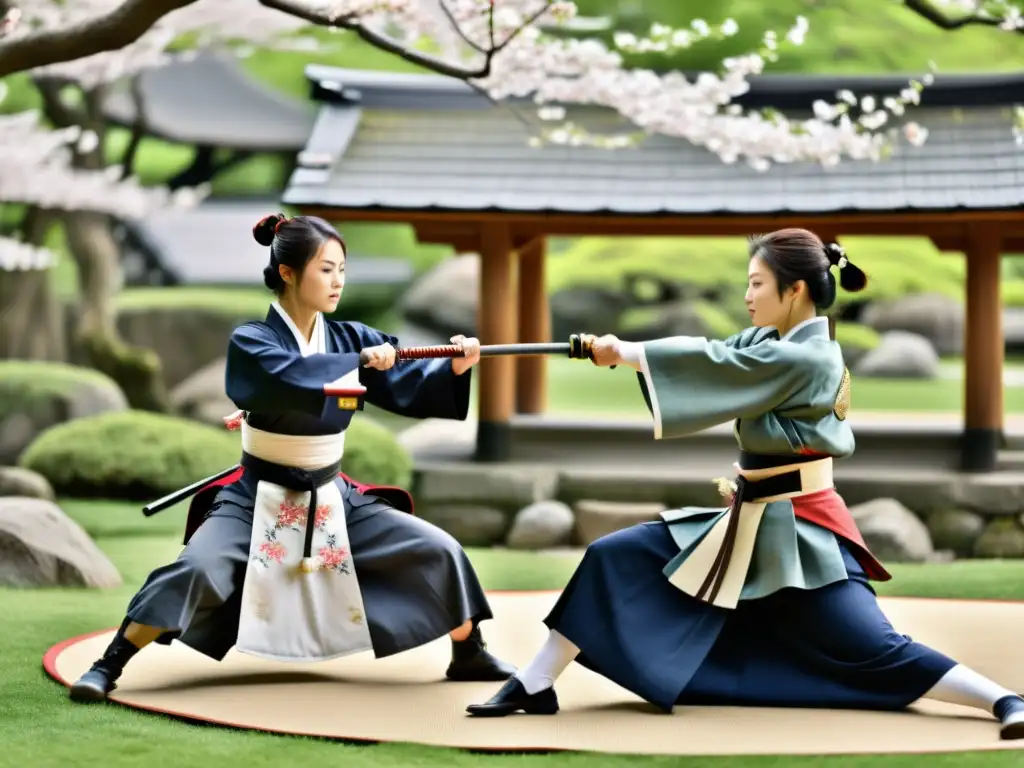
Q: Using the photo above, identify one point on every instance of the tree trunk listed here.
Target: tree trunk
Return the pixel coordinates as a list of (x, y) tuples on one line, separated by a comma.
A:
[(31, 324), (137, 371), (31, 317)]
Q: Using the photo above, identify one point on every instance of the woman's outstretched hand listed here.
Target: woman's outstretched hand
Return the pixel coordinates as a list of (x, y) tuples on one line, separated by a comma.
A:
[(471, 349), (604, 351)]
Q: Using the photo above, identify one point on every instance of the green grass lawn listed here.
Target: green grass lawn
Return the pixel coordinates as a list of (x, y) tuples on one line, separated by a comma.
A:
[(40, 727)]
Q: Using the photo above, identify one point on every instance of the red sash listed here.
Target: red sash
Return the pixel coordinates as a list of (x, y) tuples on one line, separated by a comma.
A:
[(827, 509)]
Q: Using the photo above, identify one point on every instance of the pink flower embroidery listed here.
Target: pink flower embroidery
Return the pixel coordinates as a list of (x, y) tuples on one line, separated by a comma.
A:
[(323, 514), (290, 515), (332, 557), (273, 550)]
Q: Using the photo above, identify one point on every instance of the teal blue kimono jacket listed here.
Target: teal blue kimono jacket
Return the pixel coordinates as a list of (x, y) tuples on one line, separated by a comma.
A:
[(786, 396)]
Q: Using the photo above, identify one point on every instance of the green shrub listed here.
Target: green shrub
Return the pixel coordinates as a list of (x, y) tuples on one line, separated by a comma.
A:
[(374, 455), (857, 336), (131, 455), (896, 266), (141, 456)]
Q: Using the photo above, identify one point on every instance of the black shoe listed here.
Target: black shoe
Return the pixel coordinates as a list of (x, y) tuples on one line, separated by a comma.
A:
[(472, 662), (513, 698), (101, 678), (1010, 708)]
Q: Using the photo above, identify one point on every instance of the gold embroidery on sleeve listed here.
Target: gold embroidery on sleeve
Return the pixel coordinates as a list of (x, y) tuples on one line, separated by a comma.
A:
[(841, 407)]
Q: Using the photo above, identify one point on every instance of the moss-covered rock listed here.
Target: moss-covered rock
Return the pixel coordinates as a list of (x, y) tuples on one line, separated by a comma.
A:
[(35, 396), (140, 456)]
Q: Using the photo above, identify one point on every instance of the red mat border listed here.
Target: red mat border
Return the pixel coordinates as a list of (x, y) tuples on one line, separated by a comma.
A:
[(50, 667)]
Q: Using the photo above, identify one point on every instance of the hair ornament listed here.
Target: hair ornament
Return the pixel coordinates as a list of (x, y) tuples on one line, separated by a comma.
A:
[(836, 255)]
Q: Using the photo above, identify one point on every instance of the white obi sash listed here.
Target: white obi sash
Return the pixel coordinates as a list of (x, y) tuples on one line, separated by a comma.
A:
[(694, 572)]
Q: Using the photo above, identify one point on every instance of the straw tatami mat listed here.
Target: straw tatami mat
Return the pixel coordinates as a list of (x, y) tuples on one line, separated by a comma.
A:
[(405, 698)]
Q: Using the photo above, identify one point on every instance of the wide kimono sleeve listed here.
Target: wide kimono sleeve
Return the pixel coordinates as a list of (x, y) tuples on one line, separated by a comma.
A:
[(262, 375), (692, 383), (419, 389)]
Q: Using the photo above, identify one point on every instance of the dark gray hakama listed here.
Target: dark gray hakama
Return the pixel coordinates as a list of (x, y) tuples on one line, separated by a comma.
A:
[(416, 580), (829, 647)]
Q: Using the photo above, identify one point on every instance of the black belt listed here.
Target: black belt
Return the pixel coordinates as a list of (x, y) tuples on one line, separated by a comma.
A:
[(746, 490), (294, 479)]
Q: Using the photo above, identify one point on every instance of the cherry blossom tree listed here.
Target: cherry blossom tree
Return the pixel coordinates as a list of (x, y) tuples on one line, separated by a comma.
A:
[(58, 174), (75, 50)]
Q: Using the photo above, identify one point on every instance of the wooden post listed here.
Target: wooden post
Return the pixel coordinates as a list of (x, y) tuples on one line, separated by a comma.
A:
[(983, 351), (498, 325), (534, 325)]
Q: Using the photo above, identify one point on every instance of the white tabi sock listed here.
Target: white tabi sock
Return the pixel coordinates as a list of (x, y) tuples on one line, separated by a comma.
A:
[(962, 685), (551, 660)]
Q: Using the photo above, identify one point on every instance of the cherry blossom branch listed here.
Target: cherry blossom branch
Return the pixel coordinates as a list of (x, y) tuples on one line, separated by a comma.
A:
[(108, 32), (988, 13), (354, 21)]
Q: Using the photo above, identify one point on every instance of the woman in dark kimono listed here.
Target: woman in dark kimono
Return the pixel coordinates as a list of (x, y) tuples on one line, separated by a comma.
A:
[(766, 602), (292, 561)]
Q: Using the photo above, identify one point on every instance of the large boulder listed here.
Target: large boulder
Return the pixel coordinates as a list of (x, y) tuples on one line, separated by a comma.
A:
[(937, 317), (17, 481), (900, 355), (444, 300), (541, 525), (40, 546), (35, 396), (201, 396), (892, 532)]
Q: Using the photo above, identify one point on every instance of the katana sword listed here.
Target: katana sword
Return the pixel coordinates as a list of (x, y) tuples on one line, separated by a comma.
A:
[(579, 347)]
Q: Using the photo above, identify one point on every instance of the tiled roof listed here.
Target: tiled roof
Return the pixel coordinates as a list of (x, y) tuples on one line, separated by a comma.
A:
[(427, 143)]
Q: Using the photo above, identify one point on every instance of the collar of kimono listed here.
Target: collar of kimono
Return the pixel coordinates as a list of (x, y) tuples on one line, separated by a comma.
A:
[(808, 329), (318, 342)]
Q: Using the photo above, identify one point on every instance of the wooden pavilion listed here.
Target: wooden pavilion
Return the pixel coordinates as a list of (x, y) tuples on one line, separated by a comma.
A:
[(434, 153)]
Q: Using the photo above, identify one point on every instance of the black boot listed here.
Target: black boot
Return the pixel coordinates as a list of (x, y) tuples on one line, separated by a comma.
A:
[(95, 684), (513, 698), (471, 662), (1009, 710)]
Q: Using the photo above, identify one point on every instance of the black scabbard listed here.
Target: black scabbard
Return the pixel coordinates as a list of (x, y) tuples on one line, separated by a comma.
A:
[(183, 493)]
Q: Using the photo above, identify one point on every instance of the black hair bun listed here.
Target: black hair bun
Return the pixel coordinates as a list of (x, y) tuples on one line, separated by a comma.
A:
[(272, 278), (265, 228)]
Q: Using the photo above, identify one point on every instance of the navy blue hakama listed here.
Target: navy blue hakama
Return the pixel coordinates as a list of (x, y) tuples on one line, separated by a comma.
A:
[(830, 647)]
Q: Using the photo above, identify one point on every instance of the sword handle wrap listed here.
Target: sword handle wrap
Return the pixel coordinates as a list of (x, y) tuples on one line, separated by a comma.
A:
[(422, 353)]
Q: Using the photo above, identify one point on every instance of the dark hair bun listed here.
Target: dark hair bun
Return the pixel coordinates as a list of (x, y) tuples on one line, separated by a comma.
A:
[(272, 277), (851, 277), (265, 228)]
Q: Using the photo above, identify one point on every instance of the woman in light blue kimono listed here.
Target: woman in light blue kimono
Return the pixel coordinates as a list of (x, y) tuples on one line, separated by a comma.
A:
[(766, 602)]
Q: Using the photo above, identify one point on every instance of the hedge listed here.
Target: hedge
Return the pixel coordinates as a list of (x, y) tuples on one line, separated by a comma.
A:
[(141, 456)]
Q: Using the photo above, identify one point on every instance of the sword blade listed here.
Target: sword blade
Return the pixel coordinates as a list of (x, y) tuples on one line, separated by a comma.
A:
[(540, 348)]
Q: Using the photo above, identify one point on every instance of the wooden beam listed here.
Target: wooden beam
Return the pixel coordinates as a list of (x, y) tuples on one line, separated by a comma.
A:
[(983, 351), (462, 236), (497, 323), (534, 325), (528, 225)]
